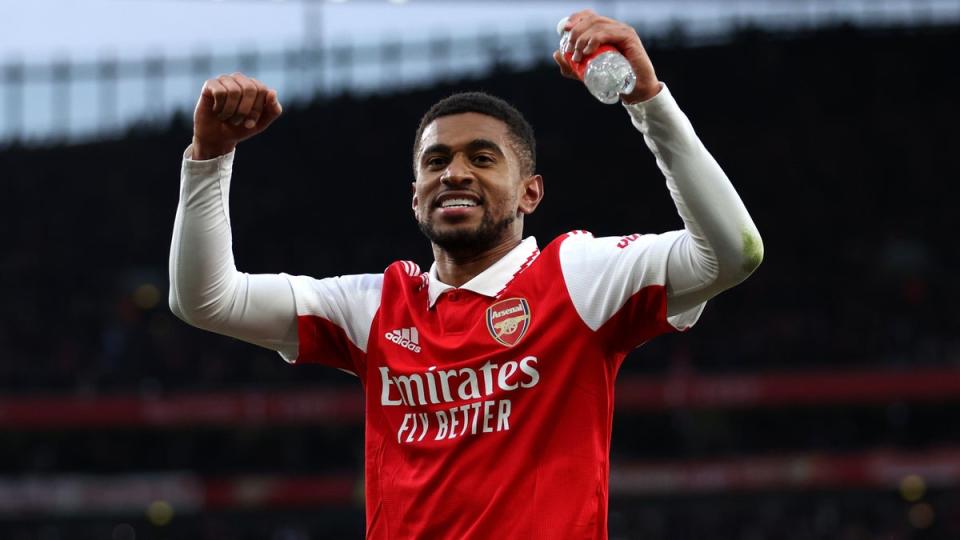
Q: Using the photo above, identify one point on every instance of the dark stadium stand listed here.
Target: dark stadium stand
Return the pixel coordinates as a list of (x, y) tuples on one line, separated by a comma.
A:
[(818, 400)]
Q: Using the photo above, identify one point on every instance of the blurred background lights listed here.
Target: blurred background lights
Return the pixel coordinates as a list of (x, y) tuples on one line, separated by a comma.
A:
[(912, 488), (146, 296), (160, 513), (921, 515)]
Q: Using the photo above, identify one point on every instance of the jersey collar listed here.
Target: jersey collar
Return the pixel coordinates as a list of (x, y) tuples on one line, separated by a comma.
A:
[(493, 280)]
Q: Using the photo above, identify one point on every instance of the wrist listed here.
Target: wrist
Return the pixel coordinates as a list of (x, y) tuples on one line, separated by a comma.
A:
[(202, 151), (642, 93)]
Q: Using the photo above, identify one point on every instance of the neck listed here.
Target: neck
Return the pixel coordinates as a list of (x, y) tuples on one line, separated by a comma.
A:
[(458, 268)]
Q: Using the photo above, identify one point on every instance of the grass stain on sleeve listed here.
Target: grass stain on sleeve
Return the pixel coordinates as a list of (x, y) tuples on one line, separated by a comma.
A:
[(752, 250)]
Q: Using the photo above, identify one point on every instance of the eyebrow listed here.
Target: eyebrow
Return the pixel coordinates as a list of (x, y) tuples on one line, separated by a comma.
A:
[(473, 146)]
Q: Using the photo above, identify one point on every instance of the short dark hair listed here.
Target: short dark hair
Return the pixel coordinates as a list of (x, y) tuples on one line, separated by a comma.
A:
[(521, 132)]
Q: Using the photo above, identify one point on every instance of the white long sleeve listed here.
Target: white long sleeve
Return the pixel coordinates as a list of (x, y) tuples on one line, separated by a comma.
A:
[(206, 290), (720, 245)]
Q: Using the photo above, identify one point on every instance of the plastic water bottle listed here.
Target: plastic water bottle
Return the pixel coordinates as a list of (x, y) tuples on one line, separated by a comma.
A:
[(605, 72)]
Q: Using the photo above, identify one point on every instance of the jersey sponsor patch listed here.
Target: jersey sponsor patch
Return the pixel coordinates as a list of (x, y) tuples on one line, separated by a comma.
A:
[(508, 320)]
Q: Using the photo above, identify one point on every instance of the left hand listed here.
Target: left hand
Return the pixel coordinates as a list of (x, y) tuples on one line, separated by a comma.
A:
[(588, 31)]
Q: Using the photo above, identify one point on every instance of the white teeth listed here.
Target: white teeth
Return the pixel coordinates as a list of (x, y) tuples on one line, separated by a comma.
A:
[(457, 202)]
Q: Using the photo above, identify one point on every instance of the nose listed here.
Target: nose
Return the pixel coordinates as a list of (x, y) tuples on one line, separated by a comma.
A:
[(457, 172)]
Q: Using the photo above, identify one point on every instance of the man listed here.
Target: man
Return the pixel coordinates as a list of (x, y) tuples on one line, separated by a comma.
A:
[(488, 380)]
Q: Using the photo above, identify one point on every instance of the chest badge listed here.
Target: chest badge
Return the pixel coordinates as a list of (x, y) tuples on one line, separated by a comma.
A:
[(508, 320)]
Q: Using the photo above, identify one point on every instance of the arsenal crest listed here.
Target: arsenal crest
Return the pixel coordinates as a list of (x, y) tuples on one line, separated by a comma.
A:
[(508, 320)]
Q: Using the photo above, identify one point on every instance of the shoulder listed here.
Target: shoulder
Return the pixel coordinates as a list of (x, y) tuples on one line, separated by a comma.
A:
[(582, 246), (407, 268), (407, 272), (352, 282)]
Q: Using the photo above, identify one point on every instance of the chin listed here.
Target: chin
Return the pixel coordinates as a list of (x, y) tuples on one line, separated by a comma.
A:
[(466, 237)]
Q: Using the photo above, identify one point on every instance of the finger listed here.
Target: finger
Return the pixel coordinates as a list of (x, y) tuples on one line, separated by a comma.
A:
[(257, 109), (234, 93), (579, 45), (583, 21), (271, 109), (248, 90), (274, 100), (594, 39), (215, 91), (589, 40), (565, 68), (576, 17)]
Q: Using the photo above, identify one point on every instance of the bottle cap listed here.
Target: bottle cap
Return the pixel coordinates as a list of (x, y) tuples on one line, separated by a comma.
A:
[(563, 22)]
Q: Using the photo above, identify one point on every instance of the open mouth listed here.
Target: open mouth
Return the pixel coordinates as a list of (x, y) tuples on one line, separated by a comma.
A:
[(457, 200)]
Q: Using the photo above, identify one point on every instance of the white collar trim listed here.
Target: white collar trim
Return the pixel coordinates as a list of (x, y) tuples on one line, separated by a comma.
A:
[(493, 280)]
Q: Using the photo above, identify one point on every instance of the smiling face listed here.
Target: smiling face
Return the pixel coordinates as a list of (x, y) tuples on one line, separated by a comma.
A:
[(470, 193)]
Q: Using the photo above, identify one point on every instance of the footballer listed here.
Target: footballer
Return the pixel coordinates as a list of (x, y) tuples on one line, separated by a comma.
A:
[(489, 379)]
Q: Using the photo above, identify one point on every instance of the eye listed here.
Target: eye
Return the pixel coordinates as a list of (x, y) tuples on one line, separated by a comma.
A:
[(435, 162), (484, 159)]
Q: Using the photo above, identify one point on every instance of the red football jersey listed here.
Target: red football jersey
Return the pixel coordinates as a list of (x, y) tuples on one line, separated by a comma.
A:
[(489, 406)]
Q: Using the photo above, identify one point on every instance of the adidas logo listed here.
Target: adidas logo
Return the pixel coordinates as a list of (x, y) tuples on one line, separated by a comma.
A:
[(408, 338)]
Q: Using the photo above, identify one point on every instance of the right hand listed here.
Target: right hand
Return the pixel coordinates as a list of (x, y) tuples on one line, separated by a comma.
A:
[(231, 108)]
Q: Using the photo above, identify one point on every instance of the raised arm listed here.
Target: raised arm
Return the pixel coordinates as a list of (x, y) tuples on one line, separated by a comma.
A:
[(720, 245), (206, 290), (323, 321)]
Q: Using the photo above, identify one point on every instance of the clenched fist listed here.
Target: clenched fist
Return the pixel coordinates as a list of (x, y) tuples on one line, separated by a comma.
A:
[(231, 108)]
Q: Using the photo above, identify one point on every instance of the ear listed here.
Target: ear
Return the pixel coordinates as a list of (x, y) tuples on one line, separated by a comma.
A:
[(531, 193), (413, 203)]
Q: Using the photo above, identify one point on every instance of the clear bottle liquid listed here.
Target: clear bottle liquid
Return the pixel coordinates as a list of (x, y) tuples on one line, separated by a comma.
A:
[(605, 72)]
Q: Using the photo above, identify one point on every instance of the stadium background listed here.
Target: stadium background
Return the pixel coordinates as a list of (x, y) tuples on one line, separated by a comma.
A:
[(817, 400)]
